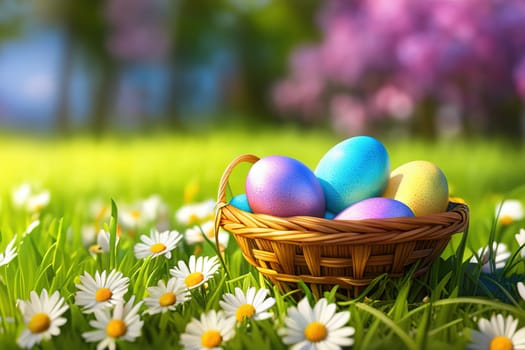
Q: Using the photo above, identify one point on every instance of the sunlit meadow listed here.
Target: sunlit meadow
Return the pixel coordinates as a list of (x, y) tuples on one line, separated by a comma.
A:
[(109, 244)]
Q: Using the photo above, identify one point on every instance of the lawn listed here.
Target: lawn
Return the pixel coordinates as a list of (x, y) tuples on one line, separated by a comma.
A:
[(93, 182)]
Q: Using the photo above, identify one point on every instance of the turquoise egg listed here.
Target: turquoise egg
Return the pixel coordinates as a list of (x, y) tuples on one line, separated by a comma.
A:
[(329, 215), (354, 169), (241, 202)]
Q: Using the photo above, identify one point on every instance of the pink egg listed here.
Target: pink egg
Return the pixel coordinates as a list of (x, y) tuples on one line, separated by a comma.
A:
[(375, 208), (283, 186)]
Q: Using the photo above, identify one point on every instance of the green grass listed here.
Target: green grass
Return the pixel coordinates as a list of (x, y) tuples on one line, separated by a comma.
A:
[(430, 312)]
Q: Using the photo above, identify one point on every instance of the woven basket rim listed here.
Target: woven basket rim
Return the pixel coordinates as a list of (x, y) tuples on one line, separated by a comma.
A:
[(431, 218), (306, 230), (316, 230)]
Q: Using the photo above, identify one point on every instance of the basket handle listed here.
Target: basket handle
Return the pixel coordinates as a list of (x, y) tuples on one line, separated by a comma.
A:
[(250, 158), (221, 199)]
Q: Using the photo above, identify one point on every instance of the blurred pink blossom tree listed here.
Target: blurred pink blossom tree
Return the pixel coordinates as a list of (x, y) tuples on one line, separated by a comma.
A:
[(432, 65), (138, 30)]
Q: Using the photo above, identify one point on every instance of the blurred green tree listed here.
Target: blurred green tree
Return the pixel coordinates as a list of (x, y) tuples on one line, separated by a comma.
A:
[(11, 18), (258, 37), (84, 32), (258, 34)]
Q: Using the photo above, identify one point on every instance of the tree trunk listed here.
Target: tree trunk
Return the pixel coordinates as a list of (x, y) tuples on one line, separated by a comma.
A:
[(505, 118), (63, 122), (424, 121), (104, 98), (172, 113)]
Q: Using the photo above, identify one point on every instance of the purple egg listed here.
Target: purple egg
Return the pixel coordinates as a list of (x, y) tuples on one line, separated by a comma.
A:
[(375, 208), (283, 186)]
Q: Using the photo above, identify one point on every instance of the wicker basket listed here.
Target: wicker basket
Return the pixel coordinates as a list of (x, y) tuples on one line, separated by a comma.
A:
[(323, 253)]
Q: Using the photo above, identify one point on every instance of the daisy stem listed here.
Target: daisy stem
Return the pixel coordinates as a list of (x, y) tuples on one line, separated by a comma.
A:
[(492, 250), (163, 323), (203, 293), (409, 342), (113, 235)]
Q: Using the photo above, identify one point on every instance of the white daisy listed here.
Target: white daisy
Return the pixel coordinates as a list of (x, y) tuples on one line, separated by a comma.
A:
[(102, 245), (38, 201), (9, 254), (197, 272), (31, 227), (25, 197), (42, 317), (154, 209), (157, 244), (144, 212), (191, 214), (250, 306), (501, 255), (21, 194), (166, 297), (498, 333), (508, 211), (103, 237), (100, 292), (123, 324), (521, 290), (196, 234), (318, 328), (211, 331), (131, 217)]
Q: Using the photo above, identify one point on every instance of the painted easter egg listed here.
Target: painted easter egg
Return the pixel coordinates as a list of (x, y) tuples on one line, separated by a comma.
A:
[(375, 208), (421, 185), (283, 186), (354, 169), (241, 202), (329, 215)]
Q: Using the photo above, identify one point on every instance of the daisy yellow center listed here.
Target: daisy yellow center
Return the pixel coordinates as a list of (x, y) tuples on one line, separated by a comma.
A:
[(193, 218), (39, 323), (103, 294), (95, 248), (135, 214), (193, 279), (501, 343), (167, 299), (211, 339), (157, 248), (315, 332), (505, 219), (116, 328), (244, 311)]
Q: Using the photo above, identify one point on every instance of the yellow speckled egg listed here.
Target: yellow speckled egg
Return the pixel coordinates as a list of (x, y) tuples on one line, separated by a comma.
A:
[(421, 185)]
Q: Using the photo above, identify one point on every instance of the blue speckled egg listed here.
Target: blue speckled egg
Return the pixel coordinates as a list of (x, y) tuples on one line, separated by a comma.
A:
[(354, 169), (283, 186), (375, 208), (241, 202)]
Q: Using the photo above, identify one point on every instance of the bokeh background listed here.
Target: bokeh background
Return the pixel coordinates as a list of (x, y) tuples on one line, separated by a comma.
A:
[(429, 69)]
